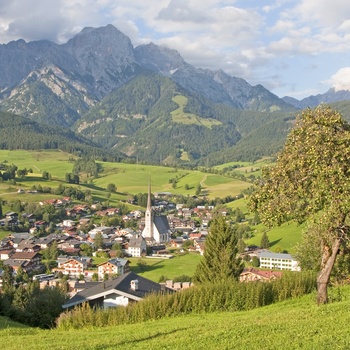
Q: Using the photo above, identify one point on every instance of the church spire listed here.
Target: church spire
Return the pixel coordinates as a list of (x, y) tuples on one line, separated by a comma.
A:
[(149, 203)]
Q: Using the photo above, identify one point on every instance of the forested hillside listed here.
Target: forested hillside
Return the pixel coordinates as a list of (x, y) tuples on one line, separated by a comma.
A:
[(21, 133)]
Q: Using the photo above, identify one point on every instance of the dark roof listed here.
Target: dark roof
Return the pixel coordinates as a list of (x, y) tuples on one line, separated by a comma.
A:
[(136, 241), (120, 285), (162, 224)]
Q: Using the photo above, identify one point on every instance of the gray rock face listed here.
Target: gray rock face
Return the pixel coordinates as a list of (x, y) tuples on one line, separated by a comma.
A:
[(105, 57), (73, 77)]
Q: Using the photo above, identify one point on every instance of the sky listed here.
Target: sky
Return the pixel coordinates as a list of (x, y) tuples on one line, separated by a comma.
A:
[(293, 48)]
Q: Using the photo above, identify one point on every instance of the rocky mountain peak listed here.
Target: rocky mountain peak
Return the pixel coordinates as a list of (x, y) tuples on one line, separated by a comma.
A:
[(159, 58)]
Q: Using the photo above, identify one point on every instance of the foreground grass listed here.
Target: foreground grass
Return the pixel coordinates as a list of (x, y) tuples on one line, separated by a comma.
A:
[(294, 324)]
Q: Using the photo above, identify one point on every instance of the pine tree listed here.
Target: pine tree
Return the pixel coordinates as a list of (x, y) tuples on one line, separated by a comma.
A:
[(265, 243), (220, 261)]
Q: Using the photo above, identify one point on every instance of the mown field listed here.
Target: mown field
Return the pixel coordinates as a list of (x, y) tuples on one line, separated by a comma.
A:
[(182, 264), (294, 324)]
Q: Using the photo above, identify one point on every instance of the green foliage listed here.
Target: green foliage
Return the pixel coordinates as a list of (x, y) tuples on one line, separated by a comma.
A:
[(255, 261), (265, 243), (227, 295), (310, 182), (111, 188), (33, 306), (220, 261), (22, 133)]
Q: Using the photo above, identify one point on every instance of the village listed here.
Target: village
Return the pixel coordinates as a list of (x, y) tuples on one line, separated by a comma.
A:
[(69, 251)]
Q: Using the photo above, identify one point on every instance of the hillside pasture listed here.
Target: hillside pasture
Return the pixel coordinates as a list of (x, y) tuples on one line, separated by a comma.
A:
[(284, 237), (180, 264), (182, 117)]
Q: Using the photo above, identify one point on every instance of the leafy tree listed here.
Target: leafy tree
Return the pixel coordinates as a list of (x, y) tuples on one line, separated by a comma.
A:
[(241, 245), (311, 182), (255, 261), (187, 187), (220, 261), (45, 175), (264, 243), (198, 189), (86, 249), (98, 241), (118, 250), (111, 188)]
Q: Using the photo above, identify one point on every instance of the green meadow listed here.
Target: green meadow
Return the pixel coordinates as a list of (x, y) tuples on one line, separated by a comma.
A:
[(180, 116), (129, 178), (180, 264), (293, 324)]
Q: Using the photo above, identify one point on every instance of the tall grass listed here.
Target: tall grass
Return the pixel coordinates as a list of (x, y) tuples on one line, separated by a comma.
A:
[(229, 296)]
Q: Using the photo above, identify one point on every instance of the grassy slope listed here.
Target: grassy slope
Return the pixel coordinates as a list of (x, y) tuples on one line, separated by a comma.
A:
[(294, 324), (129, 178), (177, 266), (180, 116)]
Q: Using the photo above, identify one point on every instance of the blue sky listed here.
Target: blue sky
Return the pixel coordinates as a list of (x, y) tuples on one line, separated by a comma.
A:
[(296, 48)]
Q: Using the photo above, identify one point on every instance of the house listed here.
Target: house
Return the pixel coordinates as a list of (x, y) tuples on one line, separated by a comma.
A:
[(279, 261), (121, 291), (137, 246), (73, 266), (6, 253), (32, 257), (252, 274), (28, 261), (113, 267)]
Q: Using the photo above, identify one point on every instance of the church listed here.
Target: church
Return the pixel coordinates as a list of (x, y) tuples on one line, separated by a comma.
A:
[(157, 229)]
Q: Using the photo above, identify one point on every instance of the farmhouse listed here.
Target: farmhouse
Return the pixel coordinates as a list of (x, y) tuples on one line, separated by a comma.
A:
[(137, 246), (113, 267), (252, 274), (121, 291)]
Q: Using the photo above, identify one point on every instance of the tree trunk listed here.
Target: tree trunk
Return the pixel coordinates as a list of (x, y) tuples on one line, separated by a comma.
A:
[(328, 260)]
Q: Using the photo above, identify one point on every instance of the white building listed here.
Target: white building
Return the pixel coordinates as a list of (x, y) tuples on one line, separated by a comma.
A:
[(278, 261), (157, 229)]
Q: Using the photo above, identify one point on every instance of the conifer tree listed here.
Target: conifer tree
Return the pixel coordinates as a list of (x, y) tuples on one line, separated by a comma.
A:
[(264, 243), (220, 261)]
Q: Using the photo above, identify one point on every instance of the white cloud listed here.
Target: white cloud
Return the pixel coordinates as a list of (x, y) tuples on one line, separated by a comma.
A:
[(341, 79)]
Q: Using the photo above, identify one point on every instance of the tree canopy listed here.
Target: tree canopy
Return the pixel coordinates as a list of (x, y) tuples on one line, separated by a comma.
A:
[(311, 182), (220, 261)]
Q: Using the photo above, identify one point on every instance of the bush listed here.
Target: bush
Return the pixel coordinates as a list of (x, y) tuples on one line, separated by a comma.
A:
[(227, 296)]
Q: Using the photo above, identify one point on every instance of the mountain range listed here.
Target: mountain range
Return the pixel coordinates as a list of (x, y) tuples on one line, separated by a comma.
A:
[(146, 101)]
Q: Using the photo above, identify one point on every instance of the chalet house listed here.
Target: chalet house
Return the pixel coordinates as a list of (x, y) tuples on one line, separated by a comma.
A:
[(279, 261), (26, 246), (73, 266), (137, 246), (16, 264), (70, 246), (251, 274), (6, 253), (105, 231), (33, 257), (30, 261), (112, 267), (121, 291)]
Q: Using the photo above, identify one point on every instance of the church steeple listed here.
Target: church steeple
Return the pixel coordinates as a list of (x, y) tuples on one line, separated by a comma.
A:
[(148, 230), (149, 203)]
